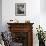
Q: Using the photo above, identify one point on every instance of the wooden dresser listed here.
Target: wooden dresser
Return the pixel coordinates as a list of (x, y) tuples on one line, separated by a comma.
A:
[(22, 33)]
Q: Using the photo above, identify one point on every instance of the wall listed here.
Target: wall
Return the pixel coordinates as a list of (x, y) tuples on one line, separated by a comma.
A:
[(43, 6), (43, 13), (0, 14), (32, 11)]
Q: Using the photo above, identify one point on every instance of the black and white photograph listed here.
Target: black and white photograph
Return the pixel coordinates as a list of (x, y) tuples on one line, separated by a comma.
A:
[(20, 9)]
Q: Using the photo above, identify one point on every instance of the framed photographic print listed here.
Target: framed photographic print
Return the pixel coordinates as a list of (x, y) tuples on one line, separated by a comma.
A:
[(20, 9)]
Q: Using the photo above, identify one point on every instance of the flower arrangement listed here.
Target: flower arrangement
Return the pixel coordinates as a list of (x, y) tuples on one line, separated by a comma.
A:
[(40, 34)]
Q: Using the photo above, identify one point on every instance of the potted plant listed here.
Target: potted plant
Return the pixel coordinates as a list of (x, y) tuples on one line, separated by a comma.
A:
[(41, 36)]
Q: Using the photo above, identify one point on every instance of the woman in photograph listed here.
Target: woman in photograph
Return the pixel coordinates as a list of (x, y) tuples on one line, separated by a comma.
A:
[(20, 9)]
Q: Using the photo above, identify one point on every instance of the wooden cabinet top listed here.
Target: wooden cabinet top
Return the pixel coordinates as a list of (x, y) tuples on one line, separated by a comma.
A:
[(20, 27), (20, 23)]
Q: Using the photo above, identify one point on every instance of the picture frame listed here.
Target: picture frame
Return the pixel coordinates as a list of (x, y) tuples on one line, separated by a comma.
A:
[(20, 9)]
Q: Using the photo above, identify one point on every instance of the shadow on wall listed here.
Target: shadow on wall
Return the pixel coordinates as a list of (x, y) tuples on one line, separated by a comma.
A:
[(0, 15), (43, 6)]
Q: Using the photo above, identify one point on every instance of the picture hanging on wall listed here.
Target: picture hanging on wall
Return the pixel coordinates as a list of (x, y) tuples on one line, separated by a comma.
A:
[(20, 9)]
